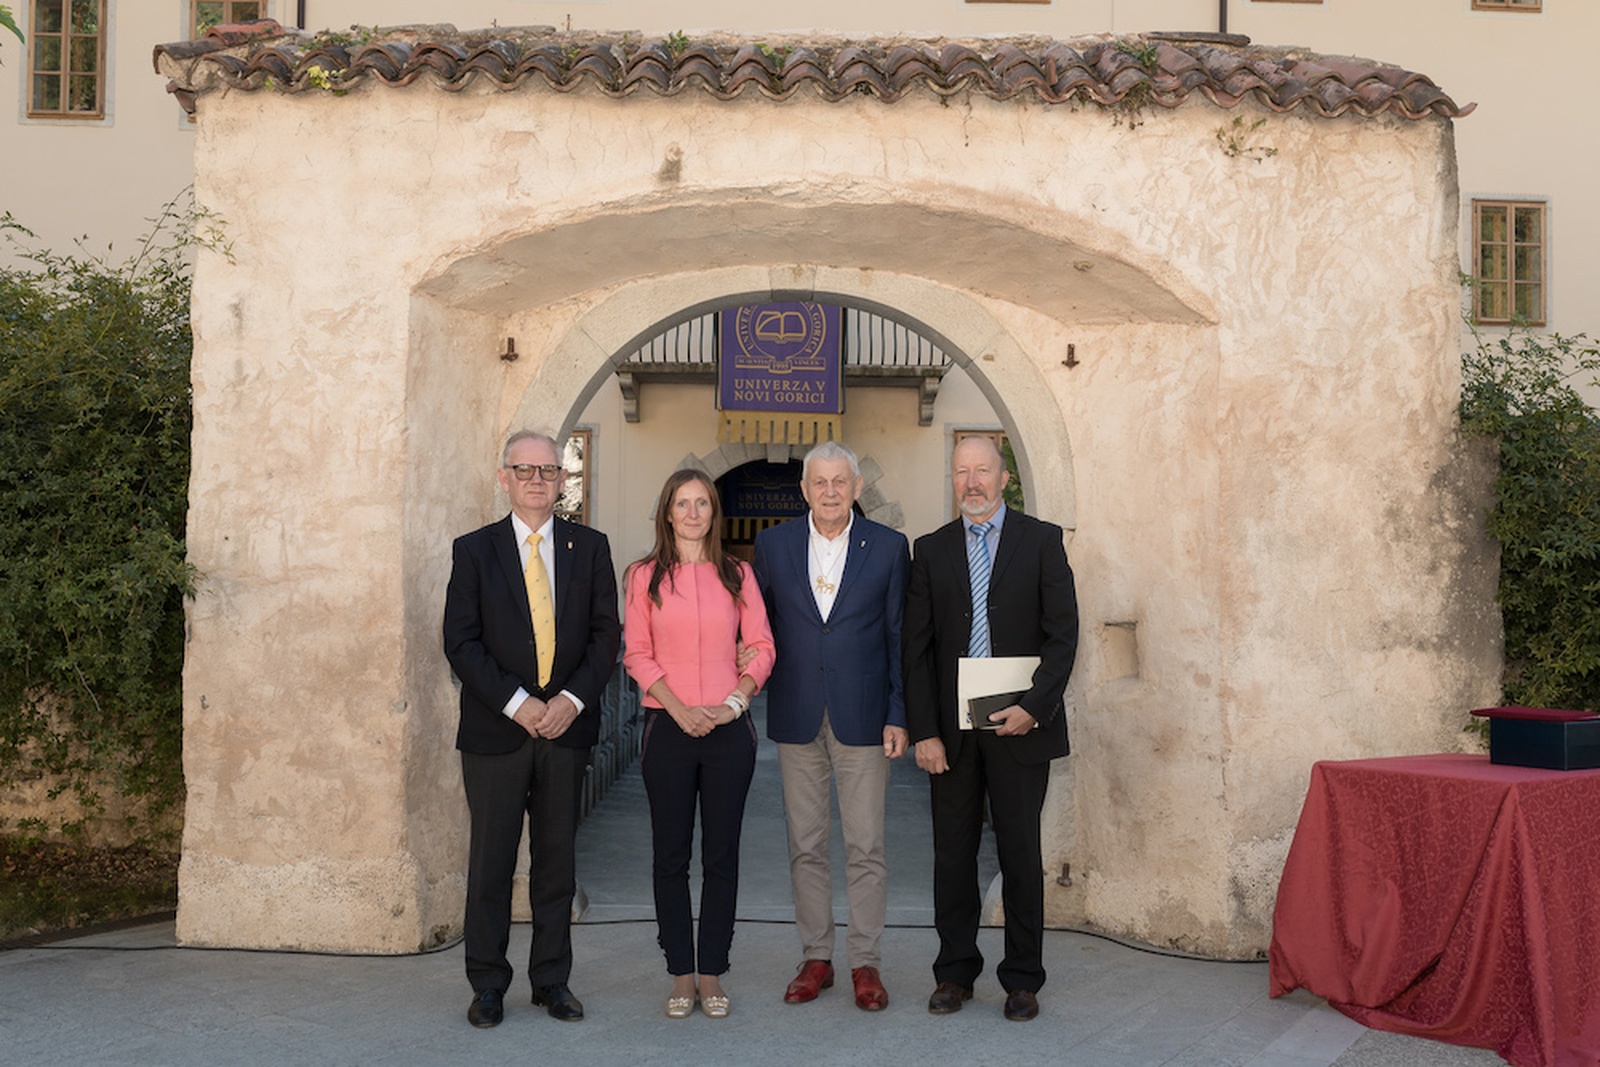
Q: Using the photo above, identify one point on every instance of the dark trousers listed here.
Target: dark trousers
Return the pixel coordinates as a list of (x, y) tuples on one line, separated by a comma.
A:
[(679, 772), (1016, 800), (542, 783)]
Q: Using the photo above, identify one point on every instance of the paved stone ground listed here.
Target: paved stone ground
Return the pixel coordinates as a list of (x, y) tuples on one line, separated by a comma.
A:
[(134, 997)]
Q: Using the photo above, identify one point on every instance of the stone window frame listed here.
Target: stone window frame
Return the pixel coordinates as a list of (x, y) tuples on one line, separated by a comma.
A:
[(1510, 265), (80, 58), (1529, 6), (224, 14)]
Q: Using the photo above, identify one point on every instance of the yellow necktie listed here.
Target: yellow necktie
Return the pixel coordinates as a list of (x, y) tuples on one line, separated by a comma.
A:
[(541, 608)]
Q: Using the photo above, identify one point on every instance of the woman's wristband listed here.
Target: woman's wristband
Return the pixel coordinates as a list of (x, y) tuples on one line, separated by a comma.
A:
[(738, 702)]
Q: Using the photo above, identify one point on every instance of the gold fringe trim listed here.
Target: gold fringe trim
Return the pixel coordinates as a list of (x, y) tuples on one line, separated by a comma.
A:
[(776, 428)]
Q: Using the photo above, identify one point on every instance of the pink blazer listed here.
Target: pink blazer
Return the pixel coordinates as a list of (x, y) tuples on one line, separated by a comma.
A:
[(691, 639)]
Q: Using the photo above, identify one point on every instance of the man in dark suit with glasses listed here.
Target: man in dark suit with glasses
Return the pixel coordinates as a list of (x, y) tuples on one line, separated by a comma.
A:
[(531, 631)]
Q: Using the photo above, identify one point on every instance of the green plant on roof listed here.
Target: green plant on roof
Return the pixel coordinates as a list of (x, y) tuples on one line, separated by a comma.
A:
[(777, 55), (1145, 53), (1130, 107), (329, 81), (676, 42)]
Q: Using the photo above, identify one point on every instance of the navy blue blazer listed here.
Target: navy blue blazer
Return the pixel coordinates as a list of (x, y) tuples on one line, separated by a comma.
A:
[(488, 632), (850, 664)]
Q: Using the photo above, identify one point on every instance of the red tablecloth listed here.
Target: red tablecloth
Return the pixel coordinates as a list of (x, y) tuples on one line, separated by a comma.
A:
[(1448, 897)]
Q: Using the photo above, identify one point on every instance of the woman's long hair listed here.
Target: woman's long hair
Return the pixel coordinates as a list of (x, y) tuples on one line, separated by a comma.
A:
[(664, 556)]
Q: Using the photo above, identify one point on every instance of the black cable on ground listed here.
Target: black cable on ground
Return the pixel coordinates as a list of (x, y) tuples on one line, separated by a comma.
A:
[(54, 941)]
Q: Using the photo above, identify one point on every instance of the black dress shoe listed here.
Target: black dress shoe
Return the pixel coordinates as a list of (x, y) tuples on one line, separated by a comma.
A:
[(948, 997), (488, 1008), (559, 1002), (1021, 1005)]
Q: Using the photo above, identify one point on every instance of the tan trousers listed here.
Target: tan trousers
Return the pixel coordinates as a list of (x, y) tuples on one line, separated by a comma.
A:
[(861, 775)]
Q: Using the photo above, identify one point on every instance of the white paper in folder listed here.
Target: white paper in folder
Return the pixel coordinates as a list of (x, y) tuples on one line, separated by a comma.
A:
[(988, 677)]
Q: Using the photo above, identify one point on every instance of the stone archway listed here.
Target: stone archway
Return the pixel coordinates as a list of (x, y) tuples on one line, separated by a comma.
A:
[(460, 396), (347, 411)]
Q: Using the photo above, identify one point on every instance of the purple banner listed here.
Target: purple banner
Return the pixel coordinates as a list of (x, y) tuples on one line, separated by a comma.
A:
[(781, 357)]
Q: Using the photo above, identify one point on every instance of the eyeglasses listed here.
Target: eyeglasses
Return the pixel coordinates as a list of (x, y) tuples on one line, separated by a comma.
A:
[(525, 471)]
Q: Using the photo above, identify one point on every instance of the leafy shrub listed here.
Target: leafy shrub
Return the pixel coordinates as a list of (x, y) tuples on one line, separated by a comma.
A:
[(1519, 389), (94, 472)]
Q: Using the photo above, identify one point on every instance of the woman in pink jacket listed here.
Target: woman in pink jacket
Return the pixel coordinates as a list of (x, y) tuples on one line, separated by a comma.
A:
[(688, 606)]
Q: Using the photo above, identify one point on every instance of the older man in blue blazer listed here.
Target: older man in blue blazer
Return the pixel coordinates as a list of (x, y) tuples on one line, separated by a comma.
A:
[(834, 584)]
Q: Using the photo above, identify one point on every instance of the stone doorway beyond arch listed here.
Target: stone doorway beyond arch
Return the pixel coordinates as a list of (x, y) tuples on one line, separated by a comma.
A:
[(731, 456), (756, 496)]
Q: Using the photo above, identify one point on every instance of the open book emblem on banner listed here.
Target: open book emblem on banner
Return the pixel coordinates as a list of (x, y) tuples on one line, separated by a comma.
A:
[(780, 339), (780, 327)]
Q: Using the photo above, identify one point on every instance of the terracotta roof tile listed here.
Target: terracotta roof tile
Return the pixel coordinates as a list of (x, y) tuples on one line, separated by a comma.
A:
[(1157, 70)]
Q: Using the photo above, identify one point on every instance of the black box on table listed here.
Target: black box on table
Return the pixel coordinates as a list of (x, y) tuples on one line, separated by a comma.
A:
[(1543, 737)]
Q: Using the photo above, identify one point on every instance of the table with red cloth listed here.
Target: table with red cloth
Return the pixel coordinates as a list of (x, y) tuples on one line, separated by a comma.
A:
[(1450, 898)]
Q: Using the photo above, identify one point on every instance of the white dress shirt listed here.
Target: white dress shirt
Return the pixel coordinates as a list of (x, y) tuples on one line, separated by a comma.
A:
[(825, 563)]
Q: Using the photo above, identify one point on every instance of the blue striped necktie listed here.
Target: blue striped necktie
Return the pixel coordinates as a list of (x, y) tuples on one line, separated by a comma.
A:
[(978, 568)]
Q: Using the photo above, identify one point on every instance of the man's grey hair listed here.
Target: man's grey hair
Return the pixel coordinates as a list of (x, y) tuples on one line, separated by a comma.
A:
[(829, 450), (528, 435)]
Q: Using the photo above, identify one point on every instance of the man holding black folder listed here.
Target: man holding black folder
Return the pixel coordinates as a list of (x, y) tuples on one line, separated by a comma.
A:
[(993, 583)]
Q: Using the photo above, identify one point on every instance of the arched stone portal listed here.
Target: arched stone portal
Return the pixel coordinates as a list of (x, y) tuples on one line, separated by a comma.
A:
[(584, 358), (1232, 375)]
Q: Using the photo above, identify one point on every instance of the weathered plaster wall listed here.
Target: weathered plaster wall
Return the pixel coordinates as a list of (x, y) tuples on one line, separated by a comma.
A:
[(1275, 553)]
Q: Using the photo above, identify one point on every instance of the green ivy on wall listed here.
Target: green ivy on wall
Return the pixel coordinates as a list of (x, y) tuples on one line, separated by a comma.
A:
[(94, 471)]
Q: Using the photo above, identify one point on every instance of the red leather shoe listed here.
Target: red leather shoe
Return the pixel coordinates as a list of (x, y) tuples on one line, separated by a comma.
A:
[(814, 977), (870, 994)]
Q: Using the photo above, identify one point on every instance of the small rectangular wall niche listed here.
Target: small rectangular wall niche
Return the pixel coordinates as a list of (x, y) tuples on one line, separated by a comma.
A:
[(1120, 642)]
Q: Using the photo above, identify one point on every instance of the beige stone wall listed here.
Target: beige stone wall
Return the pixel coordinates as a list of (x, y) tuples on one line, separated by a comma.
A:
[(1277, 555)]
